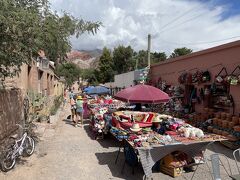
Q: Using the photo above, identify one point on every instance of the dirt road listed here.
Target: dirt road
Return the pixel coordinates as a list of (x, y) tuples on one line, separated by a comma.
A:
[(69, 153)]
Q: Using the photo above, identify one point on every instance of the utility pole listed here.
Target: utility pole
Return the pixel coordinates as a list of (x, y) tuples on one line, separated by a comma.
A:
[(136, 66), (149, 50)]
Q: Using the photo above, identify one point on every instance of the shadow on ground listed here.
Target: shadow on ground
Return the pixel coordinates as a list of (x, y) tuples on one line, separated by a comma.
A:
[(108, 158), (107, 142), (217, 147)]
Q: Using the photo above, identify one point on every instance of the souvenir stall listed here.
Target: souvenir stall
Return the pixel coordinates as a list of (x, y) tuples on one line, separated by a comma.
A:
[(150, 137), (169, 140), (205, 96), (101, 114)]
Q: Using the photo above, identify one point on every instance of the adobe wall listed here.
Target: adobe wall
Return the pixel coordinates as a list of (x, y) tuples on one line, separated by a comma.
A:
[(212, 60), (11, 111)]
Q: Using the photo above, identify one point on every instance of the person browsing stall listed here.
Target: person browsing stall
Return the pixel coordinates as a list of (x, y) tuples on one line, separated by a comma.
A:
[(157, 126), (73, 109), (79, 110)]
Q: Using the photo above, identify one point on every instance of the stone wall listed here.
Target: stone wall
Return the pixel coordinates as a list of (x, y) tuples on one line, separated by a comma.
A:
[(11, 111)]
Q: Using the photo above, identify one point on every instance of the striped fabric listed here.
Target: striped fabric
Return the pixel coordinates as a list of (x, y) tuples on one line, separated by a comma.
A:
[(149, 157)]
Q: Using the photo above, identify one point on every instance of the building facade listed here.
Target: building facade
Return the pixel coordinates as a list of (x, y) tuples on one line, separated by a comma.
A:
[(213, 60)]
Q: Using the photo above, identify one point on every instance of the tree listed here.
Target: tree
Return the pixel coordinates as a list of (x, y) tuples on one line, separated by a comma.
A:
[(123, 59), (71, 72), (105, 67), (29, 26), (141, 58), (90, 75), (180, 52), (158, 56)]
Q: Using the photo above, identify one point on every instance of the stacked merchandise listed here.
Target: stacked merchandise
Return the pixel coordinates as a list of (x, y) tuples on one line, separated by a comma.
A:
[(227, 125)]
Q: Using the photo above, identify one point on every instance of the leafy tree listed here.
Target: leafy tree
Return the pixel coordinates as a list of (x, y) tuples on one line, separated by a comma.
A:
[(141, 58), (90, 75), (180, 52), (105, 67), (71, 72), (123, 59), (28, 26), (158, 56)]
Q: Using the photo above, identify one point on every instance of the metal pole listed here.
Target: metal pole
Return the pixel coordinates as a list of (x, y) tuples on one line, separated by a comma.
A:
[(136, 66), (149, 49)]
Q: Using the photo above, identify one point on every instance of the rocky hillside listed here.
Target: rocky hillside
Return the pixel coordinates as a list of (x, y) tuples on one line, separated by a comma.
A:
[(85, 59)]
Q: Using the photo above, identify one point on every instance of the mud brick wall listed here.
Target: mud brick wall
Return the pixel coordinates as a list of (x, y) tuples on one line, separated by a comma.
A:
[(11, 112)]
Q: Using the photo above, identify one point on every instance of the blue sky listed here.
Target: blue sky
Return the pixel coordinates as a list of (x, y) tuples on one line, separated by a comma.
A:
[(197, 24), (232, 7)]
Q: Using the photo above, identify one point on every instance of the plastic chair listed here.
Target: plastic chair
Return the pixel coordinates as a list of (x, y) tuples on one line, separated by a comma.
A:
[(236, 176)]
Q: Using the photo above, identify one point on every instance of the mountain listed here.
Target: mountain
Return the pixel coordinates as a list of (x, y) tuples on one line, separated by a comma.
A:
[(85, 58)]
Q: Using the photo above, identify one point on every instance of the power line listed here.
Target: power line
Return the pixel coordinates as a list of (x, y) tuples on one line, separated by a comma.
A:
[(197, 43), (193, 18), (178, 17)]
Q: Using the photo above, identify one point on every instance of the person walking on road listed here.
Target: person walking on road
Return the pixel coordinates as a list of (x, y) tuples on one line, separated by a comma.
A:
[(73, 109), (79, 110)]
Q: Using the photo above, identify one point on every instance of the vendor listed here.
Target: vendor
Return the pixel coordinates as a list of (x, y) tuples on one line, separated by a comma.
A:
[(138, 107), (158, 127)]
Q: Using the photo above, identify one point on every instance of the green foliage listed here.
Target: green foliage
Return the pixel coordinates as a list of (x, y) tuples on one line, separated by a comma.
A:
[(180, 52), (105, 68), (123, 59), (158, 56), (56, 104), (141, 58), (71, 72), (26, 26), (90, 75)]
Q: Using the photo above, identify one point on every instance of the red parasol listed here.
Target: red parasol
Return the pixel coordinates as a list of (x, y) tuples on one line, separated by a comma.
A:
[(142, 94)]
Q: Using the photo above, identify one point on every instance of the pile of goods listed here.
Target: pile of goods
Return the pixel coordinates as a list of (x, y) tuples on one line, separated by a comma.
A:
[(97, 123), (198, 118), (227, 125), (175, 131)]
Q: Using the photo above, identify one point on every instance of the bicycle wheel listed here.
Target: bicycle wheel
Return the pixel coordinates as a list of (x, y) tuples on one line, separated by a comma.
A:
[(29, 146), (8, 162)]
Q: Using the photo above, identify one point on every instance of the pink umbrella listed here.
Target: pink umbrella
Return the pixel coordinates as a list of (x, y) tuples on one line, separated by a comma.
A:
[(142, 94)]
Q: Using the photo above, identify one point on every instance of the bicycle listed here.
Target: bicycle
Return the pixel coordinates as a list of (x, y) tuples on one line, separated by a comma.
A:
[(22, 147)]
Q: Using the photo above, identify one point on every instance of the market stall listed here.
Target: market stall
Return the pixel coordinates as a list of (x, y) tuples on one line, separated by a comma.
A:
[(150, 146), (152, 136), (101, 110)]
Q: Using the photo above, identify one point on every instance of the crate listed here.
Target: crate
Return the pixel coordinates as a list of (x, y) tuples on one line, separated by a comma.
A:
[(172, 171)]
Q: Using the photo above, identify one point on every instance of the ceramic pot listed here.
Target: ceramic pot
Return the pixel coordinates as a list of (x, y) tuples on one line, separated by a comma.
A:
[(220, 122), (215, 121), (223, 115), (236, 128), (224, 124), (230, 125), (217, 115), (235, 120), (229, 119), (228, 115)]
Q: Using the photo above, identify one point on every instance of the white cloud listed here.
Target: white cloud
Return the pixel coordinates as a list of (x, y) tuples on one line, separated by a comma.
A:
[(128, 22)]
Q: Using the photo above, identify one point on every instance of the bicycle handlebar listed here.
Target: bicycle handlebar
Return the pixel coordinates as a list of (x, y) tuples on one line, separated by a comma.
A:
[(24, 128)]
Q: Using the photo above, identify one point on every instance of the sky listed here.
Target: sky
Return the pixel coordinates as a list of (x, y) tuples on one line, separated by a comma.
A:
[(195, 24)]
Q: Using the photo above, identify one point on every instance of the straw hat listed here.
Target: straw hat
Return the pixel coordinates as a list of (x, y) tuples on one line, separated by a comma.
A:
[(135, 127), (157, 119), (79, 98)]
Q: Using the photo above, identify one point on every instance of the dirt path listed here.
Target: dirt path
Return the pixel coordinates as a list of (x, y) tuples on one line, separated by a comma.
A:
[(69, 153)]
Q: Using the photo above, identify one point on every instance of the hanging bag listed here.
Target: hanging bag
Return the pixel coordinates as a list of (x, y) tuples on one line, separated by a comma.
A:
[(206, 76), (221, 76), (234, 77)]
